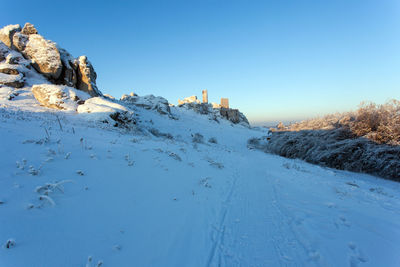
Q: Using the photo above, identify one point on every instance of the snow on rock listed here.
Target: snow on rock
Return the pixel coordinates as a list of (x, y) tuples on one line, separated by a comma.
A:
[(215, 105), (190, 99), (13, 80), (7, 33), (55, 63), (59, 97), (151, 102), (102, 109), (44, 53), (9, 69)]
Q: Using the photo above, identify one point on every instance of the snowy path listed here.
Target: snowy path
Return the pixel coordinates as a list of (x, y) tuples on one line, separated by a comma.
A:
[(145, 201), (270, 219)]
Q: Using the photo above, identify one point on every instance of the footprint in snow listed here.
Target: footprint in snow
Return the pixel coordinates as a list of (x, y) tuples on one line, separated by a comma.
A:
[(356, 255), (342, 221)]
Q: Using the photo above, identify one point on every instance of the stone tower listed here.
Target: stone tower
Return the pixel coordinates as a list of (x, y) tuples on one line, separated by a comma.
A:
[(224, 103), (205, 96)]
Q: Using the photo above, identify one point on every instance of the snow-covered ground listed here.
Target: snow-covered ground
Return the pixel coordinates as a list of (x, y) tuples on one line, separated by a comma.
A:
[(71, 189)]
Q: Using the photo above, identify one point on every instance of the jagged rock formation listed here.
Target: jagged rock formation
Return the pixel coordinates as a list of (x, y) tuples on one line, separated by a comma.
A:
[(44, 54), (50, 60), (86, 77), (11, 68), (151, 102), (7, 33), (233, 115), (55, 78), (29, 29)]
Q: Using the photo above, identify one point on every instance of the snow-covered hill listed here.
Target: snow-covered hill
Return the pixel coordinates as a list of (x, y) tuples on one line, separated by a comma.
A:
[(160, 185)]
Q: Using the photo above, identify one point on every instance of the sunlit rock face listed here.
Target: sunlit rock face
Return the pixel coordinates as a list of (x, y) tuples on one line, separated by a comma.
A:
[(47, 58)]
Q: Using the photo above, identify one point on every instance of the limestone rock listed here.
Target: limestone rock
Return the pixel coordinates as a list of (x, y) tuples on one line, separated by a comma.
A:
[(8, 69), (16, 81), (233, 115), (109, 96), (215, 105), (68, 75), (29, 29), (58, 97), (7, 33), (3, 52), (151, 102), (87, 77), (14, 59), (43, 53), (190, 99), (19, 41)]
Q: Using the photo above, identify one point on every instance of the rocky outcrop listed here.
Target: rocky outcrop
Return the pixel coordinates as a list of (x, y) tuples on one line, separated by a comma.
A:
[(87, 77), (2, 54), (55, 63), (68, 75), (29, 29), (45, 57), (10, 76), (8, 69), (7, 33), (58, 97), (233, 115), (190, 99), (151, 102), (16, 81)]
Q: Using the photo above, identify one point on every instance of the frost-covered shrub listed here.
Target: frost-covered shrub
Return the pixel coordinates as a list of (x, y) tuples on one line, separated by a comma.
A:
[(336, 148), (379, 123)]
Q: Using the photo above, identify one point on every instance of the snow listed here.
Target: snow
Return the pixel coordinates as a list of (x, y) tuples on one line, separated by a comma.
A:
[(8, 78), (62, 96), (75, 192), (43, 52), (99, 108), (190, 99)]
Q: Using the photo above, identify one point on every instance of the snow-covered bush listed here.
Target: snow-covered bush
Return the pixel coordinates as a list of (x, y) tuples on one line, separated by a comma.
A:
[(379, 123), (335, 148)]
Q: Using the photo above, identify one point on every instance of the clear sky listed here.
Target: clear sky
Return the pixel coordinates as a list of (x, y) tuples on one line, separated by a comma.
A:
[(274, 60)]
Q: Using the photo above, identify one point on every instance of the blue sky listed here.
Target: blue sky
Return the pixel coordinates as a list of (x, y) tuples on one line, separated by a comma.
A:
[(274, 60)]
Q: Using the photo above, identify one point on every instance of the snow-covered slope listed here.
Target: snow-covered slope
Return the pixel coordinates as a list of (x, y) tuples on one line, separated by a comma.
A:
[(87, 180), (71, 189)]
